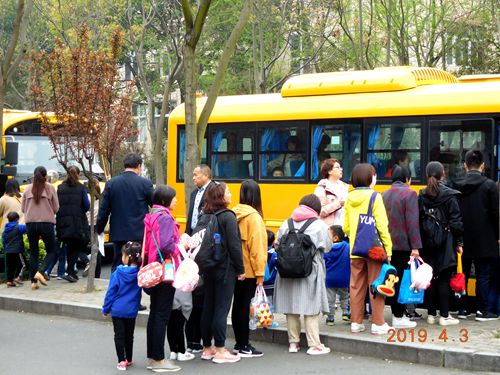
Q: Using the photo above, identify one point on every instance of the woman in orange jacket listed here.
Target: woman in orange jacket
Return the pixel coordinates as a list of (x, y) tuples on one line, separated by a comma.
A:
[(254, 247)]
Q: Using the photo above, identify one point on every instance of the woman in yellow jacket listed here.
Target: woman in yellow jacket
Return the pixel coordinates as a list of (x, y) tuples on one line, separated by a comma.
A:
[(254, 248), (364, 271)]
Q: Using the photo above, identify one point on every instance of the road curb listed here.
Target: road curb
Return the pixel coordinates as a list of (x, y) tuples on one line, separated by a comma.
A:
[(348, 344)]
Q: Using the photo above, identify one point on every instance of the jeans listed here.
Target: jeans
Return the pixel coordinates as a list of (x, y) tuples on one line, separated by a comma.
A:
[(124, 338), (45, 231), (117, 260), (343, 294), (494, 295), (175, 332), (61, 260), (162, 298), (216, 305), (244, 291), (484, 281)]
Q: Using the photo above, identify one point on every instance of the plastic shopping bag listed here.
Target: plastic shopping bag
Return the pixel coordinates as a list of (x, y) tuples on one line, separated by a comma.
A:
[(421, 274), (187, 275), (261, 314), (407, 294)]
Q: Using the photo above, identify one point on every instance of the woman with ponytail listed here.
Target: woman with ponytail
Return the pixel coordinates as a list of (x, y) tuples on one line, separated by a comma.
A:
[(71, 221), (439, 202), (40, 205)]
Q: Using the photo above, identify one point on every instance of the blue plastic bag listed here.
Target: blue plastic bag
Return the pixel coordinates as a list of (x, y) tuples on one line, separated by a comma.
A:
[(408, 295)]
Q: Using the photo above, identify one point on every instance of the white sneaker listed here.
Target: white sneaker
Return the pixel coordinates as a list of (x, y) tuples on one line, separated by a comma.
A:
[(380, 329), (403, 322), (357, 327), (432, 319), (293, 347), (318, 350), (185, 356), (448, 321), (173, 356)]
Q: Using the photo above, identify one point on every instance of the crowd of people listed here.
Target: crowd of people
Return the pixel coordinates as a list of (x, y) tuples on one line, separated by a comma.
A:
[(144, 230)]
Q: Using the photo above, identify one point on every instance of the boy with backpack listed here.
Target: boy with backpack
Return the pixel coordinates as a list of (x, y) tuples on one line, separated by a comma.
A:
[(338, 274), (13, 246)]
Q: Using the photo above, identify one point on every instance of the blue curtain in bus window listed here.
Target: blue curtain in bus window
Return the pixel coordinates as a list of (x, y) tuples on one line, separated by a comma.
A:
[(373, 137), (182, 152), (301, 171), (351, 142), (268, 137), (317, 135), (216, 141), (397, 134)]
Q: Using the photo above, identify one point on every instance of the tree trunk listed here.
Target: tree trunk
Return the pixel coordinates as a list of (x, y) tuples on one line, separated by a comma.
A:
[(2, 99), (93, 238)]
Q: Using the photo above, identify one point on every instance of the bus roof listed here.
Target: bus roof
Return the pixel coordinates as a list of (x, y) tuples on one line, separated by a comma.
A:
[(461, 97), (11, 116)]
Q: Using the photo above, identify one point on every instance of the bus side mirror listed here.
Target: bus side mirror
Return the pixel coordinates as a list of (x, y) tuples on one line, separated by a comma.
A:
[(11, 152)]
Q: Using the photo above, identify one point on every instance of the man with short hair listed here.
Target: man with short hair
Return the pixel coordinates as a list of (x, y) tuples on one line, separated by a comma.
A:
[(202, 178), (125, 202), (479, 207)]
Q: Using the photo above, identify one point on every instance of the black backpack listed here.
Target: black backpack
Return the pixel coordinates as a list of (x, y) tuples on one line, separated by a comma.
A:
[(434, 227), (296, 252), (212, 253)]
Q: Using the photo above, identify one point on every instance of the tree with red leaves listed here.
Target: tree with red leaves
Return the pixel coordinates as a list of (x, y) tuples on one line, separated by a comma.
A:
[(85, 107)]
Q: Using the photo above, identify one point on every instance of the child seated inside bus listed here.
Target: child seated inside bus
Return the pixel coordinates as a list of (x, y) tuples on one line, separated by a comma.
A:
[(278, 172), (338, 273), (289, 161)]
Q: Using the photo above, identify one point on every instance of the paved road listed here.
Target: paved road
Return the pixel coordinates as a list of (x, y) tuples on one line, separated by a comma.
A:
[(56, 345)]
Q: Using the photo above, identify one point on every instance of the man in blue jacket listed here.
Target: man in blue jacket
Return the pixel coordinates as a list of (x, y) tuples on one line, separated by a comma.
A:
[(125, 202)]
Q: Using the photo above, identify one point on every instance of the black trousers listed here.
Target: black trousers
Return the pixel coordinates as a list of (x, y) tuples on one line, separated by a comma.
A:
[(438, 293), (193, 327), (74, 247), (216, 305), (162, 297), (175, 332), (45, 231), (124, 338), (399, 260), (244, 291), (14, 265)]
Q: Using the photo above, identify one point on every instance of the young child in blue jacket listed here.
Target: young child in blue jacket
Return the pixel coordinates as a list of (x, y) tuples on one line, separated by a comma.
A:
[(271, 270), (338, 273), (122, 301)]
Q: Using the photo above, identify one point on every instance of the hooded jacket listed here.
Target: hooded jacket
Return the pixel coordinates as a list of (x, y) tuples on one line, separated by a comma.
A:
[(330, 196), (479, 208), (253, 240), (123, 296), (12, 238), (356, 204), (338, 266)]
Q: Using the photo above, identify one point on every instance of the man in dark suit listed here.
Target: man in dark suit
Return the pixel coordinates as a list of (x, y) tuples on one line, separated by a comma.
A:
[(202, 177), (125, 202)]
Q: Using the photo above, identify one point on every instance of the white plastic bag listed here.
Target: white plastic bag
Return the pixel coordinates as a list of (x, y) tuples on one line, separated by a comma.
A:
[(421, 276), (187, 274), (261, 314)]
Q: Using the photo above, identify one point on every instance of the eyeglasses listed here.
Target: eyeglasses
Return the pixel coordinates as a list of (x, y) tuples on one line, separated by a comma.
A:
[(337, 167)]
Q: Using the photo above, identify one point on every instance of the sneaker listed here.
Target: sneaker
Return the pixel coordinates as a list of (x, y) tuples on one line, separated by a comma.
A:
[(318, 350), (294, 347), (165, 366), (18, 281), (250, 352), (448, 321), (69, 278), (122, 366), (357, 327), (129, 363), (185, 356), (85, 272), (432, 319), (463, 314), (380, 329), (196, 348), (236, 349), (10, 284), (208, 354), (413, 316), (346, 317), (150, 364), (47, 276), (225, 357), (403, 322), (330, 320), (485, 316), (173, 356)]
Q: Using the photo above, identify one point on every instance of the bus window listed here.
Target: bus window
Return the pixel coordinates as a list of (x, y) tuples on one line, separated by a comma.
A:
[(282, 151), (339, 141), (449, 140), (389, 144), (232, 152), (181, 144)]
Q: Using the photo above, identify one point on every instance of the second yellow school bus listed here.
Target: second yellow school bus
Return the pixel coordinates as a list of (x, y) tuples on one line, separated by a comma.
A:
[(378, 116)]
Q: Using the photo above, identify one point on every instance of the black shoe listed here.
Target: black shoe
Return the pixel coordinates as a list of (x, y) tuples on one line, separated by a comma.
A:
[(250, 352), (142, 308), (463, 314), (47, 276), (69, 278), (195, 348), (236, 349), (413, 316), (485, 316)]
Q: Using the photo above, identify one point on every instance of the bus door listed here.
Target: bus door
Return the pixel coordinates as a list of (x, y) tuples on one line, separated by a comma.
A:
[(449, 140)]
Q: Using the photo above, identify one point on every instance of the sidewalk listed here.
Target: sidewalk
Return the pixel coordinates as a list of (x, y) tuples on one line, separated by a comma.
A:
[(479, 352)]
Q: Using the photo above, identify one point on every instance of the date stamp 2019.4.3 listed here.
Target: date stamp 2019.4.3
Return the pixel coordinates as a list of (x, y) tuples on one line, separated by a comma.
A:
[(421, 335)]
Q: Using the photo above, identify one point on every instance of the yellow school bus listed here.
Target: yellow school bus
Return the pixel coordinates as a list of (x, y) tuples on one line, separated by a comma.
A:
[(378, 116)]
